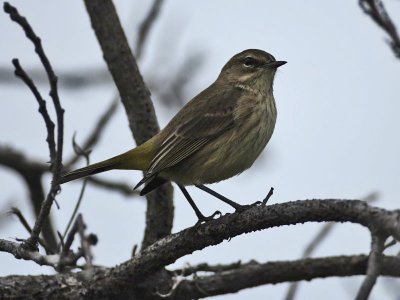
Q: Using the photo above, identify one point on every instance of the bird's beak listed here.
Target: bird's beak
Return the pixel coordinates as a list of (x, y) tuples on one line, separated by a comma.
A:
[(275, 64)]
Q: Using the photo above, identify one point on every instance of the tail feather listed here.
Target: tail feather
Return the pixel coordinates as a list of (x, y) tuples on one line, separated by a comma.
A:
[(138, 158), (87, 171)]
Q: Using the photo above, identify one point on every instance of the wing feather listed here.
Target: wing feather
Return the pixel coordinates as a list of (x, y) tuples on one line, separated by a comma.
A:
[(185, 138)]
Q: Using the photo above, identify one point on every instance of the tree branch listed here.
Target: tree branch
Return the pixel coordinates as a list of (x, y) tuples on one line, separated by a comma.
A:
[(78, 286), (172, 247), (317, 240), (120, 187), (32, 173), (255, 274), (146, 25), (97, 131), (56, 161), (109, 282), (374, 265), (376, 10), (19, 72), (53, 260), (139, 108)]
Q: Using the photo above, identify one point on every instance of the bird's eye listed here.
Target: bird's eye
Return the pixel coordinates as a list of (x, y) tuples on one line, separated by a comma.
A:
[(249, 62)]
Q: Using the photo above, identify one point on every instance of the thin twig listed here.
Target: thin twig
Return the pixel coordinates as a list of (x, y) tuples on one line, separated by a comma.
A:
[(269, 195), (80, 152), (31, 242), (97, 131), (32, 174), (69, 239), (377, 11), (85, 245), (172, 88), (120, 187), (134, 249), (19, 72), (52, 260), (146, 26), (16, 212), (374, 265)]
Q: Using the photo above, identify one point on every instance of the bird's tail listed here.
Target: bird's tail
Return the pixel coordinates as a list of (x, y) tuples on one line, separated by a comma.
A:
[(136, 159)]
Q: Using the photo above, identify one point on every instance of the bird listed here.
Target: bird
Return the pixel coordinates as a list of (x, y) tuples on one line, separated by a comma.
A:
[(216, 135)]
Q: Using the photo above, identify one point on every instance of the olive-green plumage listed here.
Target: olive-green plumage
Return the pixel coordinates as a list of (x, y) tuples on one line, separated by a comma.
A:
[(218, 134)]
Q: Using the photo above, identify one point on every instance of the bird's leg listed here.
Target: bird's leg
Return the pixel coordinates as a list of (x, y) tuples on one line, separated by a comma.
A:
[(199, 215), (236, 206)]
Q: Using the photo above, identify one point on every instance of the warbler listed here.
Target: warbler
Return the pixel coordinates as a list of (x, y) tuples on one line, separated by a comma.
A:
[(216, 135)]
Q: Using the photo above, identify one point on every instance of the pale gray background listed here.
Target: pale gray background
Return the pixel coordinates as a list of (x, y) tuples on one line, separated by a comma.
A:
[(337, 134)]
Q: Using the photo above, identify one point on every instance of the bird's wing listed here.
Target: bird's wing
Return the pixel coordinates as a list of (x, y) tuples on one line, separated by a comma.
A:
[(186, 140), (211, 114), (190, 137)]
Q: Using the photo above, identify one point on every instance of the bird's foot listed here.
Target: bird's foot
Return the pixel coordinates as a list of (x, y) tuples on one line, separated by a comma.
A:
[(204, 219), (241, 208)]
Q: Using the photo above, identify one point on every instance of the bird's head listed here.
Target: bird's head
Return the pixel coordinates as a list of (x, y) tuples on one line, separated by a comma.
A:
[(251, 67)]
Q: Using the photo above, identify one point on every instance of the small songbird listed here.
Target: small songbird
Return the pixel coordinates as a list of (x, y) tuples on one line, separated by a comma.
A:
[(218, 134)]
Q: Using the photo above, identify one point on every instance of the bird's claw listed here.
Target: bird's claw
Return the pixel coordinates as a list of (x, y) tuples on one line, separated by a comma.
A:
[(241, 208)]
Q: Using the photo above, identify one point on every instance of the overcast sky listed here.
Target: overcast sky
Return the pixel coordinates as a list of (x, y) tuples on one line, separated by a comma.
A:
[(337, 133)]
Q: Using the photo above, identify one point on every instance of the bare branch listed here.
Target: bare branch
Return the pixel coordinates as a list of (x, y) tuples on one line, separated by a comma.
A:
[(19, 72), (172, 247), (120, 187), (136, 99), (16, 212), (376, 10), (172, 88), (74, 79), (19, 252), (97, 131), (79, 152), (74, 285), (146, 26), (32, 173), (374, 265), (17, 161), (31, 243), (85, 245), (255, 274), (169, 249), (205, 267), (322, 234), (317, 240)]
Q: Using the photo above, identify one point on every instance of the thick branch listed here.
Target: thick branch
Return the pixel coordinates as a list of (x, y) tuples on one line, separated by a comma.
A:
[(254, 274), (167, 250), (136, 99), (76, 285)]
